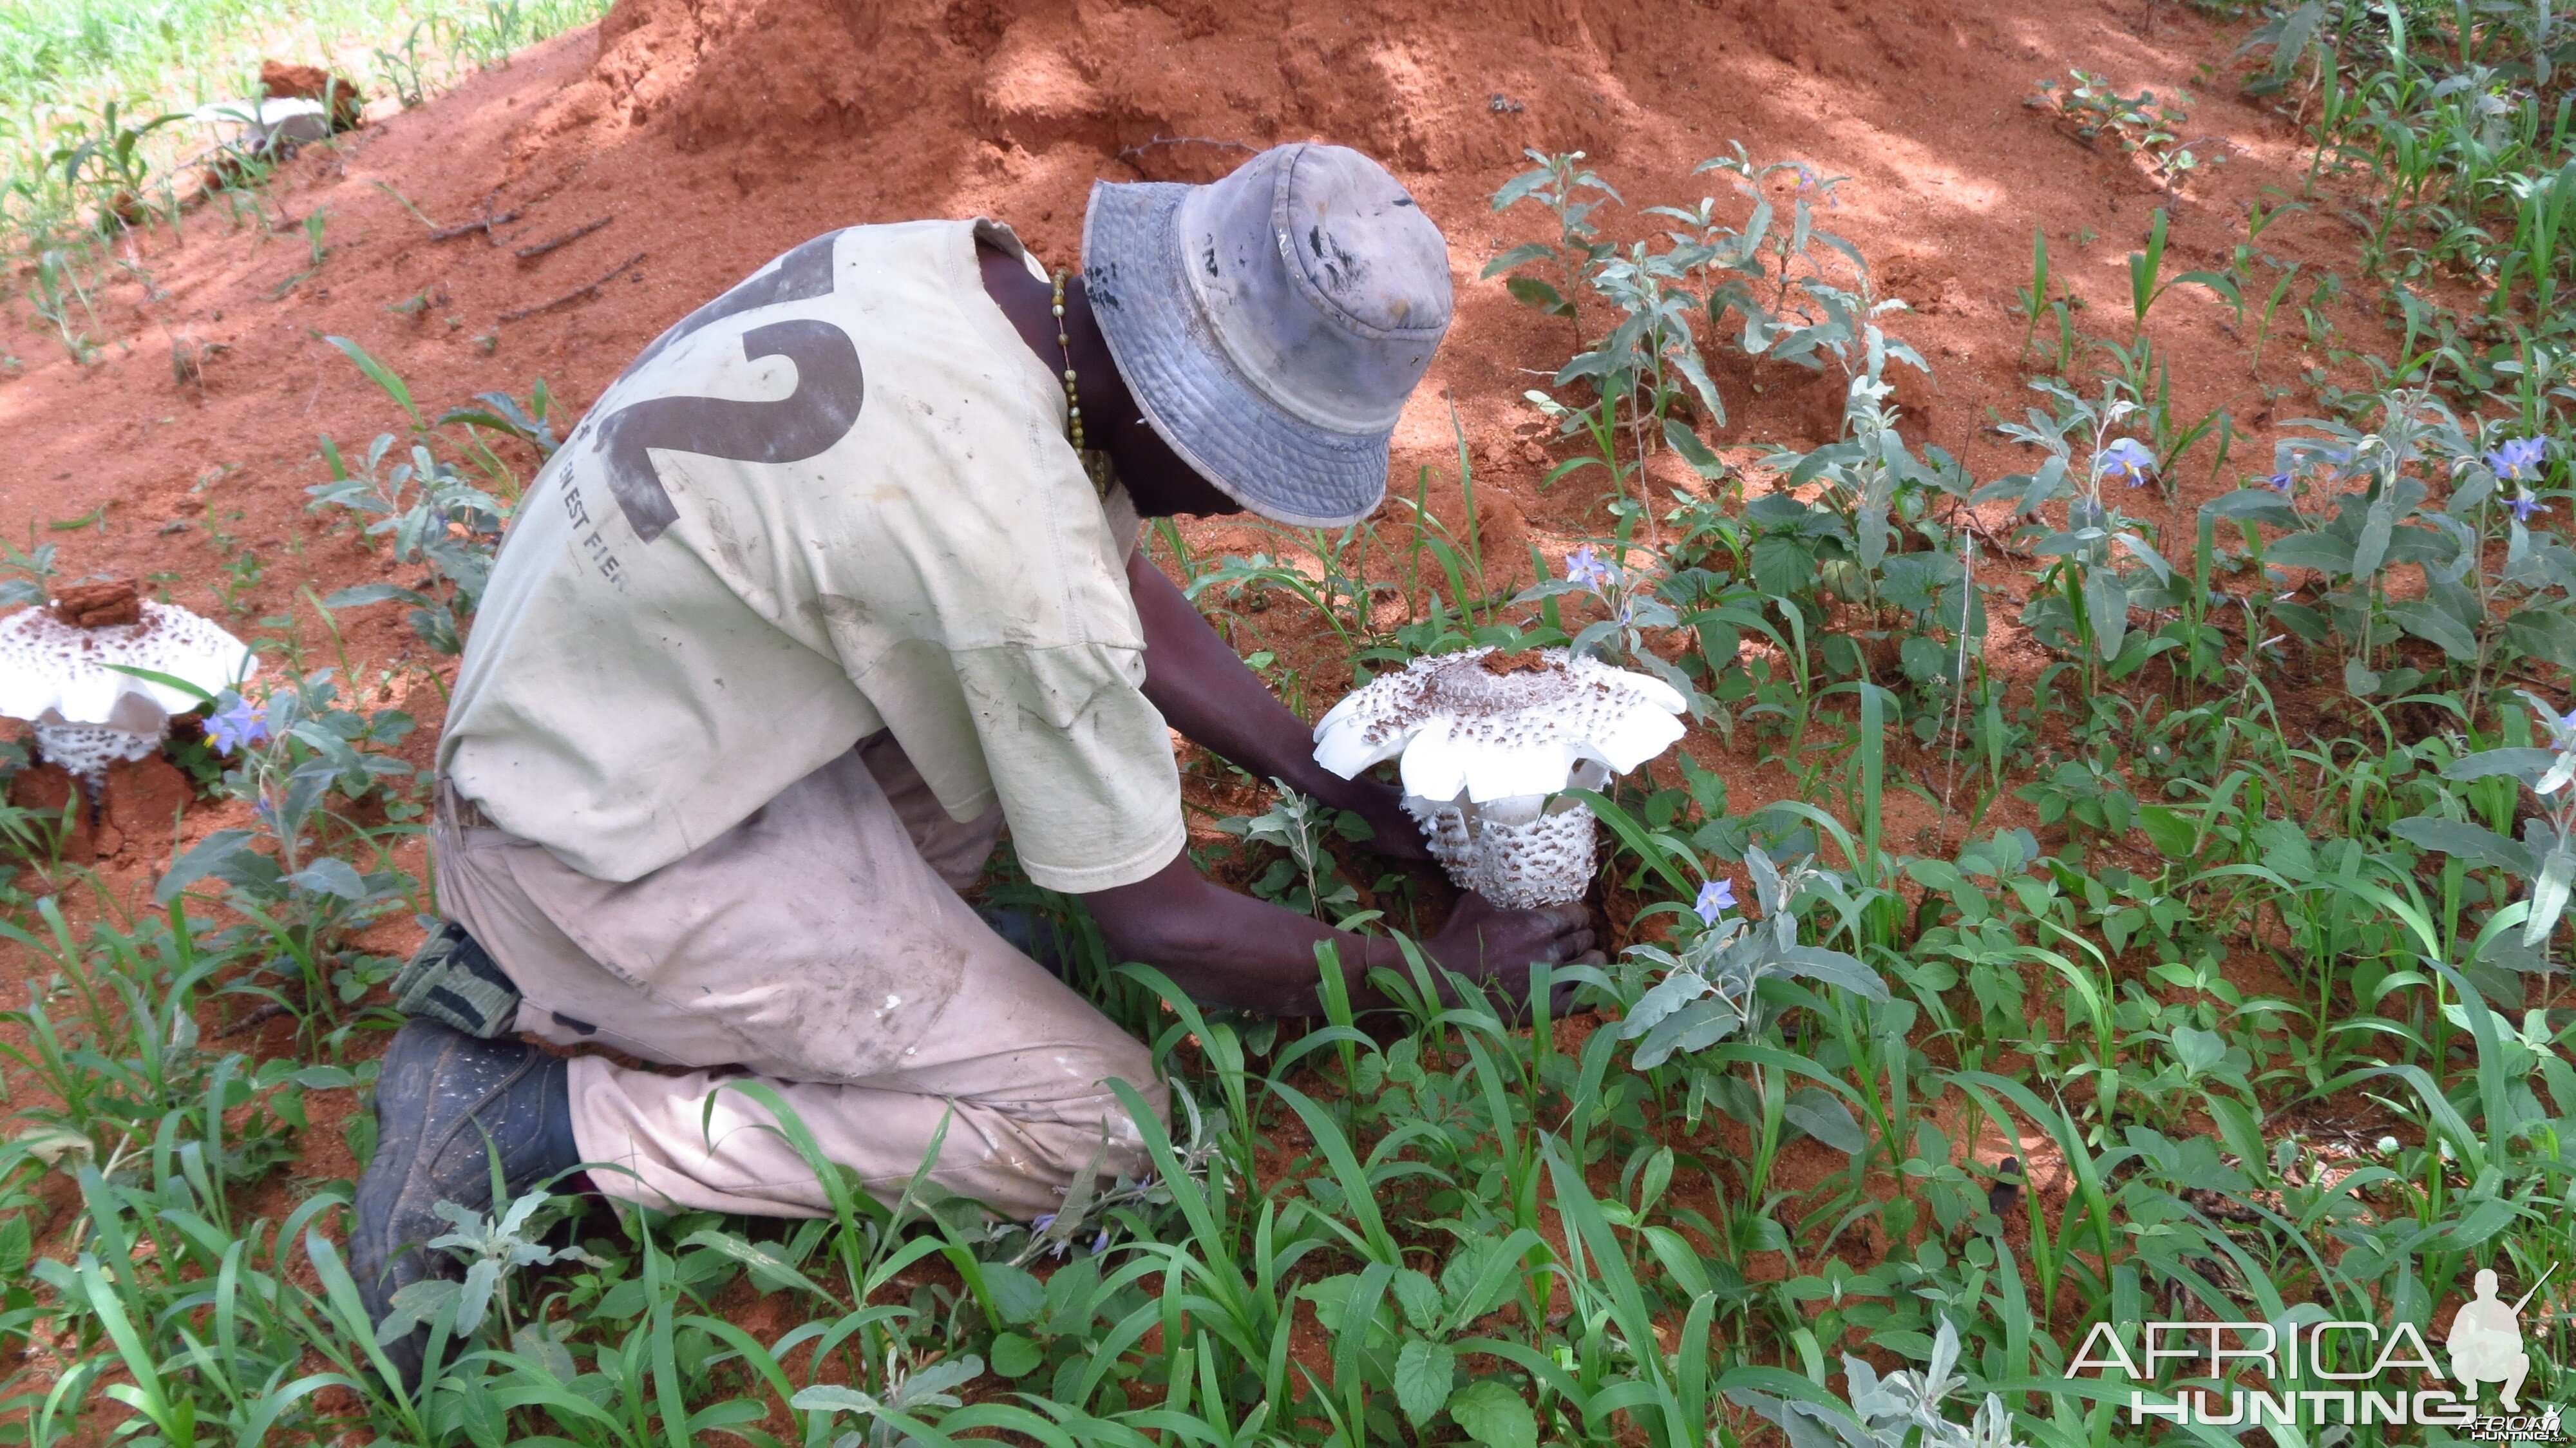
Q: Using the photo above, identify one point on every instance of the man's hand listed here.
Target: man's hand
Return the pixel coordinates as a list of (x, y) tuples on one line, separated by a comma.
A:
[(1397, 837), (1232, 950), (1496, 947)]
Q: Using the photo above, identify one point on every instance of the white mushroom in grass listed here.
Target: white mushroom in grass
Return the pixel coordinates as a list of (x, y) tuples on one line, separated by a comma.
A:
[(56, 672), (1489, 743)]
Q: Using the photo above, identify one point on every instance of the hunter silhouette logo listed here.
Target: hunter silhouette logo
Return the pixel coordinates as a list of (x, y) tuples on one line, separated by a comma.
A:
[(2486, 1341), (2314, 1374)]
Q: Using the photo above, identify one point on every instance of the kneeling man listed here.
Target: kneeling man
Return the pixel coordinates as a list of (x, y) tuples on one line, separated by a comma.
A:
[(836, 581)]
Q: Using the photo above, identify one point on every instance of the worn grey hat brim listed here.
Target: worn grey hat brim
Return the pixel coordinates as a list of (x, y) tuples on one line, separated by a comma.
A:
[(1280, 466)]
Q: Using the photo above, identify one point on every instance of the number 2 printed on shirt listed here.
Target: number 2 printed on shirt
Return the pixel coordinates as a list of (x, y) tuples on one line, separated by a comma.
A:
[(829, 388)]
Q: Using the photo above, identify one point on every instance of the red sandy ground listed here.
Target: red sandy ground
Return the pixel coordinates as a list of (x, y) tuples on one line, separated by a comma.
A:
[(716, 133)]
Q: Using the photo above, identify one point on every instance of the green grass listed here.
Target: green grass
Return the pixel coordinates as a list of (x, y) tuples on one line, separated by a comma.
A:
[(69, 164), (2270, 1010)]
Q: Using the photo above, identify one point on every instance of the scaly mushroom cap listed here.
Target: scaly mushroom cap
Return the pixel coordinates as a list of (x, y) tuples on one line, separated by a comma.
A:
[(1493, 726), (56, 673)]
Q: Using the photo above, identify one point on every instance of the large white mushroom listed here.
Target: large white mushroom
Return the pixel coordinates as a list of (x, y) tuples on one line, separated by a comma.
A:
[(55, 673), (279, 123), (1489, 742)]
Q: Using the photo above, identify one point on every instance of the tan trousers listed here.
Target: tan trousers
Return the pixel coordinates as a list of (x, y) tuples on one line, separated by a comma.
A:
[(822, 947)]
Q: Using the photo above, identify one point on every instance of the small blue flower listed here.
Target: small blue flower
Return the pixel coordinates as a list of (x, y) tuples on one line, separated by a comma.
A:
[(2524, 505), (1585, 566), (1715, 899), (236, 725), (2281, 483), (2520, 459), (2129, 460)]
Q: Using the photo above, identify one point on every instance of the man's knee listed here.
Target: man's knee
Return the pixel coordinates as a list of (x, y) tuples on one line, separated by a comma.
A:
[(1105, 1134)]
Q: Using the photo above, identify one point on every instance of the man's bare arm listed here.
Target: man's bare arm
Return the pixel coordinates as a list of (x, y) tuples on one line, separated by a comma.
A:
[(1205, 690), (1232, 950)]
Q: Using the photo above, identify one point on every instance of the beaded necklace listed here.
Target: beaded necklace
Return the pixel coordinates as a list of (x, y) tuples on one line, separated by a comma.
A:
[(1095, 465)]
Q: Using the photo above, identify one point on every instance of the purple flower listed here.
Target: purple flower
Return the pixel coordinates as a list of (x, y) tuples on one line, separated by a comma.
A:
[(1585, 566), (2281, 483), (2520, 459), (2129, 460), (1715, 899), (2524, 505), (235, 725)]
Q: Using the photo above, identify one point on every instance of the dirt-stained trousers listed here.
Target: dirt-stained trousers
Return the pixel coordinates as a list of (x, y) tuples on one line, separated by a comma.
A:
[(820, 948)]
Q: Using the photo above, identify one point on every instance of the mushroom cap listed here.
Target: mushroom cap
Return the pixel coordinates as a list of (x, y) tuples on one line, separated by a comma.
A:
[(1494, 726), (52, 672), (271, 113)]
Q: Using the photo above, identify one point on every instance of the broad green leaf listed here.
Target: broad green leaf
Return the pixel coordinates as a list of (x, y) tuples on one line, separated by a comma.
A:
[(1423, 1373), (2524, 764), (2435, 627), (1521, 255), (1018, 1293), (214, 853), (1693, 451), (2167, 830), (328, 876), (1532, 292), (2260, 505), (2378, 525), (2323, 552), (2106, 601), (366, 593), (2549, 896), (1834, 968), (1418, 1296), (2473, 843), (1015, 1356), (2198, 1050), (1822, 1115), (1494, 1415), (533, 1342), (2545, 632)]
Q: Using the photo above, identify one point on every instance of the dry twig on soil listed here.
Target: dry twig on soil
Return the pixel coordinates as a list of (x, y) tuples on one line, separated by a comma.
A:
[(577, 293), (531, 253), (482, 224)]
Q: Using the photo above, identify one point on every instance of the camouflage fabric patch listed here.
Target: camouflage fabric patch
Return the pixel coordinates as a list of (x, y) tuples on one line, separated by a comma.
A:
[(452, 980)]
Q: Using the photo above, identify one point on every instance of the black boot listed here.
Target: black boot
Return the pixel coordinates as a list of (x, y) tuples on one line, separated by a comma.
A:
[(438, 1094)]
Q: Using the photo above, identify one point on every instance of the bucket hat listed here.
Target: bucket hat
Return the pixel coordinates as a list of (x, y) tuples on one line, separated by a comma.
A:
[(1272, 324)]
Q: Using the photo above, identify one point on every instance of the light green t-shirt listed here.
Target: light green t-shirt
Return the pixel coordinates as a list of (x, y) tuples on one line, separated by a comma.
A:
[(836, 499)]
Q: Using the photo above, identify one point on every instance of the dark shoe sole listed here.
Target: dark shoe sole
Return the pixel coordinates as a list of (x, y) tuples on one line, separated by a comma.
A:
[(387, 1246)]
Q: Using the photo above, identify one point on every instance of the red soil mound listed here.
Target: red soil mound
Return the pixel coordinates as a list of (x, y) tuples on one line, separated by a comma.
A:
[(708, 135)]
